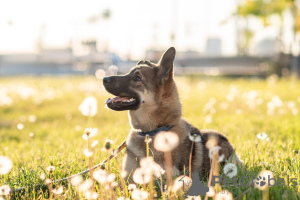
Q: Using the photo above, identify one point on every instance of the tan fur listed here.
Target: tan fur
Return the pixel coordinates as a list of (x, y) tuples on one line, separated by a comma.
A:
[(160, 106)]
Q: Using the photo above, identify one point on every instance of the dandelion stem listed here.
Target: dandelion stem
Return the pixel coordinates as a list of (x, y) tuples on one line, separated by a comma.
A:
[(168, 161), (190, 160)]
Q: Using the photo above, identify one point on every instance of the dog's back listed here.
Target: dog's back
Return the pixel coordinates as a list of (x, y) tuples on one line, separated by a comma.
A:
[(149, 92)]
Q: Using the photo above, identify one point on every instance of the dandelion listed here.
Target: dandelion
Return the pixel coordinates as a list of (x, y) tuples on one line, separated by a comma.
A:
[(48, 181), (58, 191), (91, 195), (43, 176), (108, 144), (5, 165), (20, 126), (208, 119), (94, 143), (264, 176), (114, 184), (50, 169), (76, 180), (262, 136), (131, 187), (141, 176), (4, 190), (213, 151), (32, 118), (86, 185), (230, 170), (178, 183), (31, 135), (88, 133), (139, 194), (221, 158), (166, 141), (195, 137), (211, 192), (100, 176), (88, 153), (111, 177), (148, 140), (88, 107)]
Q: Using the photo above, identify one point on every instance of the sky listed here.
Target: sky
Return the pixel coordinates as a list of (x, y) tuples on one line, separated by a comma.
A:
[(134, 26)]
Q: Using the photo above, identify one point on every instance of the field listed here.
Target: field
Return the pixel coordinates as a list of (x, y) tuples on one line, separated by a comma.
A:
[(41, 126)]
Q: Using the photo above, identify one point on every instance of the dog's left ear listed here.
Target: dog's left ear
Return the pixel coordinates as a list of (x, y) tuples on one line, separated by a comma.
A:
[(166, 65)]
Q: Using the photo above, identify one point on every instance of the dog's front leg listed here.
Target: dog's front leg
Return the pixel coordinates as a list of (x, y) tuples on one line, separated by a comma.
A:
[(130, 164)]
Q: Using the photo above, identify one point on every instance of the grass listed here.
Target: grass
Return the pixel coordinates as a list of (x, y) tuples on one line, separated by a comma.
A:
[(236, 107)]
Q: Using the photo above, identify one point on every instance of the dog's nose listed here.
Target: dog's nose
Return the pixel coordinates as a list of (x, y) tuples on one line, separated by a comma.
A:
[(106, 80)]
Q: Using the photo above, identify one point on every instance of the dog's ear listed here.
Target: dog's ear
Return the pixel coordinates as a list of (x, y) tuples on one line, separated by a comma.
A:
[(166, 65)]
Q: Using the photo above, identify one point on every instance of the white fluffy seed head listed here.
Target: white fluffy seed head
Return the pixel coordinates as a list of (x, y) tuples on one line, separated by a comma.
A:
[(76, 180), (230, 170), (213, 151), (166, 141), (5, 165)]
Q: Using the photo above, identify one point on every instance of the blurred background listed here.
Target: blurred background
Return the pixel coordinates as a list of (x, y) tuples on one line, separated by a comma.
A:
[(232, 37)]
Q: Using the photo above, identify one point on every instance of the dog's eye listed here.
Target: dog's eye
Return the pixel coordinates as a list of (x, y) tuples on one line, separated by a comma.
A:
[(137, 78)]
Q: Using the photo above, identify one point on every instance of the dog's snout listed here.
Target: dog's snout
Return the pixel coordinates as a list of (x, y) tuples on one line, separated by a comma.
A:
[(107, 80)]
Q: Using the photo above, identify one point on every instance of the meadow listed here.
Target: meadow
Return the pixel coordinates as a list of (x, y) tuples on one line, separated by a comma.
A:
[(41, 126)]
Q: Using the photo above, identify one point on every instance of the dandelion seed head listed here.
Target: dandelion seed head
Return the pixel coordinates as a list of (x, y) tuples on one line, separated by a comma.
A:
[(141, 176), (211, 192), (131, 187), (230, 170), (20, 126), (111, 177), (91, 195), (148, 140), (32, 118), (221, 158), (166, 141), (139, 194), (88, 153), (262, 136), (58, 191), (50, 169), (211, 142), (48, 181), (5, 165), (213, 151), (124, 173), (31, 135), (42, 176), (94, 143), (86, 185), (76, 180), (177, 185), (100, 176), (208, 119), (114, 184), (266, 174), (4, 190), (195, 137), (88, 107)]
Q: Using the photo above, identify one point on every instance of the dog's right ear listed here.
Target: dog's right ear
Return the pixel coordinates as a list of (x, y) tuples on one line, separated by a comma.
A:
[(166, 65)]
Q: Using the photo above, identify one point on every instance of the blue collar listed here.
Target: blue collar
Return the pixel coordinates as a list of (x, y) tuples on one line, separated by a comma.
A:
[(155, 131)]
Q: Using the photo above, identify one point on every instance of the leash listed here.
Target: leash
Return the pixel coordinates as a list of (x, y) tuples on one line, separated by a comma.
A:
[(116, 152)]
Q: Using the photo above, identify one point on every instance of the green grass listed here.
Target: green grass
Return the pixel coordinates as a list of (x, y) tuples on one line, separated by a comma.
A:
[(59, 127)]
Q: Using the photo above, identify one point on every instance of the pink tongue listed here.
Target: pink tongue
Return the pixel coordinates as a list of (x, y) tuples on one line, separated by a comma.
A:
[(116, 99)]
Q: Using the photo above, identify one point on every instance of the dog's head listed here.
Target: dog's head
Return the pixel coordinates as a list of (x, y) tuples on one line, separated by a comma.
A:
[(143, 84)]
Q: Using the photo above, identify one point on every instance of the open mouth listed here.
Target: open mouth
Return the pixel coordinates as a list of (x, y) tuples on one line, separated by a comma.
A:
[(120, 103)]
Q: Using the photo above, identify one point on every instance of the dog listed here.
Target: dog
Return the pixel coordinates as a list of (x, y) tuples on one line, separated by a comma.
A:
[(150, 95)]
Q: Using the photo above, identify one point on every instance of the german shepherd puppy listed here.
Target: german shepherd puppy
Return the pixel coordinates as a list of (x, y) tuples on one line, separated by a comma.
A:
[(150, 95)]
